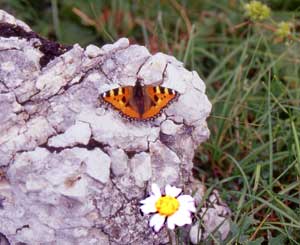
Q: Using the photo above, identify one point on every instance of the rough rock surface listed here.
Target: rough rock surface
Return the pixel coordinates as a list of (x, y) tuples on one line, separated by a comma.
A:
[(72, 169), (213, 219)]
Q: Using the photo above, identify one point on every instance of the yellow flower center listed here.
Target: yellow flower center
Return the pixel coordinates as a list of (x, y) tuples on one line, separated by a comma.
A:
[(167, 205)]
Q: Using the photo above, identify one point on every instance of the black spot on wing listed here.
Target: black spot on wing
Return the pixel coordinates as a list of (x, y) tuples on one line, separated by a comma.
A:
[(124, 99), (155, 98), (116, 91)]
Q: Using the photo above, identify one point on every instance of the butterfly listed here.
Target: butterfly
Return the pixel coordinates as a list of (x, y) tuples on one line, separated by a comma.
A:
[(139, 102)]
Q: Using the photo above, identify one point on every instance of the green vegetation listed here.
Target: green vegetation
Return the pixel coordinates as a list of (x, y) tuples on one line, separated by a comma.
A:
[(251, 69)]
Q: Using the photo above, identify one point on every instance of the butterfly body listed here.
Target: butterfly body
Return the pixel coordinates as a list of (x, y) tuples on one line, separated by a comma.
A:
[(139, 102)]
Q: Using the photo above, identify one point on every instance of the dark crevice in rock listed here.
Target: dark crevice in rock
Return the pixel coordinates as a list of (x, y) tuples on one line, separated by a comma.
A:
[(177, 123), (1, 206), (166, 139), (91, 145), (4, 92), (68, 86), (130, 154), (23, 227), (148, 144), (8, 49), (188, 129), (50, 49), (99, 67), (3, 240), (28, 100), (61, 91), (4, 84)]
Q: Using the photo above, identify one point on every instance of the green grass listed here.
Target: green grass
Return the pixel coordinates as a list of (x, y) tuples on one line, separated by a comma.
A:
[(252, 78)]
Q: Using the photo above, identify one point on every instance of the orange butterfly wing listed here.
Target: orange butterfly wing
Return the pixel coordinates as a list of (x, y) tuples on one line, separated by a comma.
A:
[(160, 97), (119, 98)]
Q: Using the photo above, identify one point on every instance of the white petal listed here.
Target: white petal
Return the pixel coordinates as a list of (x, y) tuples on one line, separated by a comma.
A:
[(171, 222), (157, 221), (155, 190), (185, 198), (187, 202), (191, 207), (172, 191), (181, 218), (148, 205), (150, 199), (147, 209), (183, 211)]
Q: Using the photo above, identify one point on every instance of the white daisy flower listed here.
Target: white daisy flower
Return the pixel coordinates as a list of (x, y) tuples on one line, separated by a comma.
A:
[(174, 208)]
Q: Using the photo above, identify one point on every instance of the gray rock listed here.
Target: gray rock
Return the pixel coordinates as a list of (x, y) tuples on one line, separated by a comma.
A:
[(97, 163), (79, 133), (119, 161), (215, 219), (140, 166), (93, 51), (75, 169), (168, 127)]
